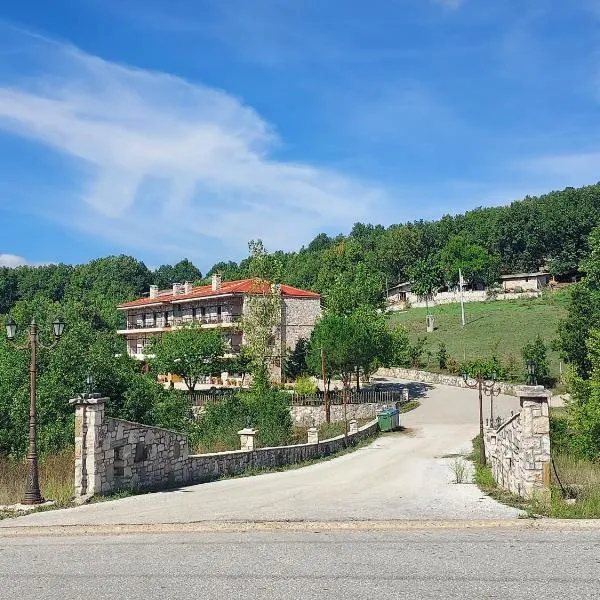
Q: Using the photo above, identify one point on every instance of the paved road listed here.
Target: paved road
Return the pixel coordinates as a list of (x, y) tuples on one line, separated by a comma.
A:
[(485, 563), (399, 476)]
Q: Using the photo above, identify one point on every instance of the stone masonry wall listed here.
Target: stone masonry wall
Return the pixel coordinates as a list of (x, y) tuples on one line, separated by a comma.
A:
[(299, 316), (112, 454), (307, 415), (205, 467), (518, 453), (437, 378)]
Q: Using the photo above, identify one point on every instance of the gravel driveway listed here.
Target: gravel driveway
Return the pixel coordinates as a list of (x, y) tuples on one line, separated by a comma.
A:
[(404, 475)]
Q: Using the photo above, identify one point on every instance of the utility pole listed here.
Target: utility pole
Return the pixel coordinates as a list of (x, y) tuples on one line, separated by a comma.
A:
[(462, 300), (325, 393)]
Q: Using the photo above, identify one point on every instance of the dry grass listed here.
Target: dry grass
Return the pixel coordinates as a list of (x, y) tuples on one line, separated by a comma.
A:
[(580, 480), (56, 478)]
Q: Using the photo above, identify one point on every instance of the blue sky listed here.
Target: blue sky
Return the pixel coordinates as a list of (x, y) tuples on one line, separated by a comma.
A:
[(166, 129)]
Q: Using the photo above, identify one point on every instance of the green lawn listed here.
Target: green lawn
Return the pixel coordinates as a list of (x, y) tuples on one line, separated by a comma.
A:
[(501, 327)]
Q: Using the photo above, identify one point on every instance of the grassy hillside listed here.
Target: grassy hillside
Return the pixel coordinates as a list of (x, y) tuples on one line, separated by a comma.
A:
[(501, 327)]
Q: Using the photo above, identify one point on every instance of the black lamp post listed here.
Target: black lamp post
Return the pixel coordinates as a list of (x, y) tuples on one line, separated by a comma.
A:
[(531, 372), (489, 388), (32, 492)]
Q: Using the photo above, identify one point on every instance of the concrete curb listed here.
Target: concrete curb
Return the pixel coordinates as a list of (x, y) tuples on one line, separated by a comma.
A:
[(300, 526)]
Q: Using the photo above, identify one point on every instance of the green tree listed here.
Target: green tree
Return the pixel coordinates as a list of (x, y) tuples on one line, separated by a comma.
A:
[(425, 280), (166, 275), (537, 351), (295, 362), (477, 264), (190, 352)]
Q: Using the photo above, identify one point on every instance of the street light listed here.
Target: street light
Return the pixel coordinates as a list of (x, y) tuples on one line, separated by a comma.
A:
[(325, 392), (489, 388), (32, 492), (531, 372)]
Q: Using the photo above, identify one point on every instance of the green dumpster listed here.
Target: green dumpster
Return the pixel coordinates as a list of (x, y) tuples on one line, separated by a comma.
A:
[(388, 419)]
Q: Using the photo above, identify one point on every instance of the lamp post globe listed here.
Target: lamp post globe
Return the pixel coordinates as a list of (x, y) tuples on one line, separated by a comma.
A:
[(11, 328), (58, 326)]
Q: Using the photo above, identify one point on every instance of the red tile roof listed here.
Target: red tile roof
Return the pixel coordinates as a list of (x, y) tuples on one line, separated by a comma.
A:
[(244, 286)]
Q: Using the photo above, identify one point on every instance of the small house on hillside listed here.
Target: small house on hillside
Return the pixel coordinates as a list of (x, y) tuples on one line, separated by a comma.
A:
[(525, 282), (398, 293)]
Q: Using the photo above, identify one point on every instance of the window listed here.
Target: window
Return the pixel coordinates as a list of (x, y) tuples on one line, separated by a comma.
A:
[(194, 314), (203, 311)]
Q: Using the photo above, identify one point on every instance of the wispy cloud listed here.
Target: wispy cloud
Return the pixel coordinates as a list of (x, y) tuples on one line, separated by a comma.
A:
[(170, 165)]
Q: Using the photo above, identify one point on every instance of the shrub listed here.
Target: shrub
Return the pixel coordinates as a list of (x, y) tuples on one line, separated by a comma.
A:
[(305, 386), (265, 407), (400, 352), (453, 366), (537, 351), (415, 352), (486, 367), (442, 355)]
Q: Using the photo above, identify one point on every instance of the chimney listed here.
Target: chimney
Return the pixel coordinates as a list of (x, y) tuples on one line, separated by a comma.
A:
[(216, 282), (153, 291), (176, 289), (187, 287)]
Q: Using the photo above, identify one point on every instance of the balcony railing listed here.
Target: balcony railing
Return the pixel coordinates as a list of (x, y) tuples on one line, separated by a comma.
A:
[(185, 320)]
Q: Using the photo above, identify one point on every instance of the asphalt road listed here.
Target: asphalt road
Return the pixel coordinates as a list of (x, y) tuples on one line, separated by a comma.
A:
[(405, 475), (483, 563)]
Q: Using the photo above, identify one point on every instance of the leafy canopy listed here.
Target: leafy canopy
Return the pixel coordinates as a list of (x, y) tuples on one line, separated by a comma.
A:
[(190, 352)]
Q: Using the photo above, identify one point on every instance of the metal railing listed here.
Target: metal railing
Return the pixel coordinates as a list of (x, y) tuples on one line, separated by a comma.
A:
[(353, 397), (177, 321), (200, 398)]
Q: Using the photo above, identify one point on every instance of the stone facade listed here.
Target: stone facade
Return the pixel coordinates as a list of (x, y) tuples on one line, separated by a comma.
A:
[(299, 316), (112, 454), (437, 378), (518, 453)]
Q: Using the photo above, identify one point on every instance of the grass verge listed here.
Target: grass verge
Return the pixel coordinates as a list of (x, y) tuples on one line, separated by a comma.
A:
[(575, 493), (56, 478), (410, 405)]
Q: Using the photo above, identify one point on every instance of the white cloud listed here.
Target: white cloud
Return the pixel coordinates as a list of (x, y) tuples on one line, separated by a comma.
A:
[(11, 260), (171, 165)]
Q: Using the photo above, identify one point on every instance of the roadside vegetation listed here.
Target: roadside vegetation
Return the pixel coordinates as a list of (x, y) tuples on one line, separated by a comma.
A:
[(56, 478)]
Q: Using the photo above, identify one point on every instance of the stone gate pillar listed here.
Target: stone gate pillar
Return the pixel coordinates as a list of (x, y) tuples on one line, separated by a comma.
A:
[(535, 441), (89, 416)]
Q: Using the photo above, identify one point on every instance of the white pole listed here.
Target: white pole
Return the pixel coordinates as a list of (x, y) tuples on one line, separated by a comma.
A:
[(462, 301)]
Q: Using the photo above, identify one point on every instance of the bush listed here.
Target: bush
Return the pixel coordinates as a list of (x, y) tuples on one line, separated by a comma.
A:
[(485, 367), (266, 408), (442, 355), (400, 352), (305, 386), (537, 351), (453, 366), (415, 352)]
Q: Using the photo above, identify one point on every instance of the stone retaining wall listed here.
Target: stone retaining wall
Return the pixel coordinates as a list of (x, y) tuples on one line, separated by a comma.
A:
[(205, 467), (307, 415), (437, 378), (112, 454), (518, 452)]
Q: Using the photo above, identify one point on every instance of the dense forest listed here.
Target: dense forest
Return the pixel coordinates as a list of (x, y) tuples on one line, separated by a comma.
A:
[(350, 271)]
